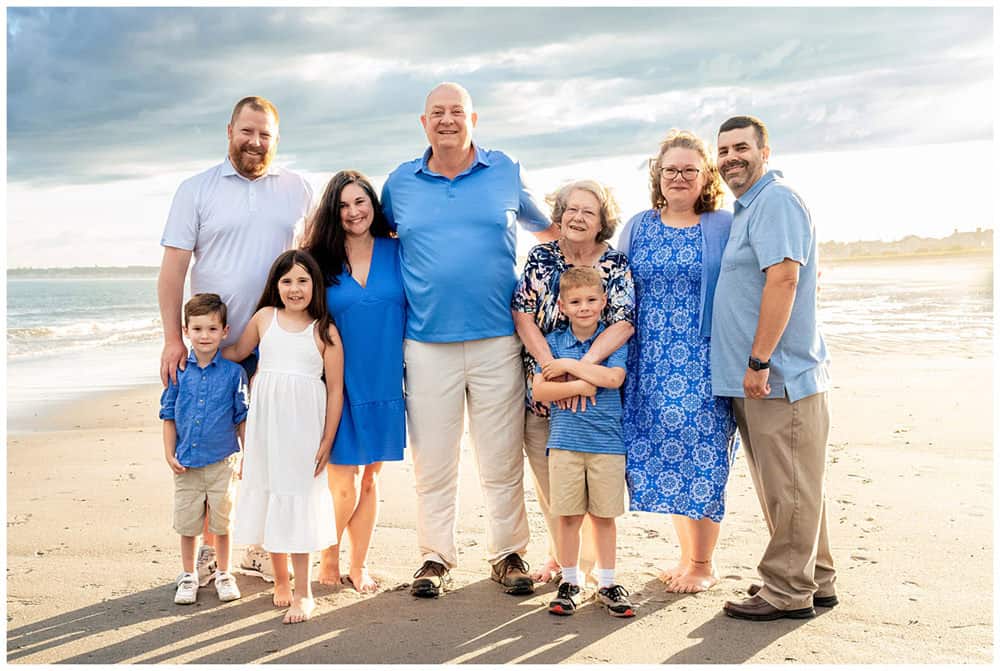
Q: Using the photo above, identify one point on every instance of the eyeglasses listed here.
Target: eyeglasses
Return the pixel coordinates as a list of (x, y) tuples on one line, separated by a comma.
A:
[(688, 174)]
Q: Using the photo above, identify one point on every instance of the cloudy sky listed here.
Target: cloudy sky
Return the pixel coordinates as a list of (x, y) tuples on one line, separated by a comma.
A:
[(110, 108)]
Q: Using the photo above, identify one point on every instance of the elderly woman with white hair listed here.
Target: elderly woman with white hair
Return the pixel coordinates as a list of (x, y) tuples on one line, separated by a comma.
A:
[(587, 216)]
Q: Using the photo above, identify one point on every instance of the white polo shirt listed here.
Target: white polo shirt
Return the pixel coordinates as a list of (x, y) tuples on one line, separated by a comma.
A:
[(236, 227)]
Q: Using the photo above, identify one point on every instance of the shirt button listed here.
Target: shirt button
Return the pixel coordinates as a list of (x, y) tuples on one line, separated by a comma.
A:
[(194, 444), (200, 401)]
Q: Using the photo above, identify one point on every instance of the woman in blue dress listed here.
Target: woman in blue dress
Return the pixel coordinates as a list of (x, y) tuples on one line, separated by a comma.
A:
[(349, 237), (680, 438)]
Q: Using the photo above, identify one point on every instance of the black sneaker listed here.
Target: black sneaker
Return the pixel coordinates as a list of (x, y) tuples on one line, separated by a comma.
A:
[(431, 580), (512, 573), (567, 600), (615, 599)]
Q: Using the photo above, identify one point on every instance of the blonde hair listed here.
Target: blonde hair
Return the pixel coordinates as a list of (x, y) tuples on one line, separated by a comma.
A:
[(610, 212), (580, 276), (711, 195)]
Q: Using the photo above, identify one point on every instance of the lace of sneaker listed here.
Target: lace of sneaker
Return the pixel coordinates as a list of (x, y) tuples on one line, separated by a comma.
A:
[(187, 588), (514, 561), (616, 593), (225, 585), (431, 567), (566, 590)]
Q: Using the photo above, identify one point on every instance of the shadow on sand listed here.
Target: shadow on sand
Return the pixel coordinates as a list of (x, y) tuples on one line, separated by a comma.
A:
[(474, 623)]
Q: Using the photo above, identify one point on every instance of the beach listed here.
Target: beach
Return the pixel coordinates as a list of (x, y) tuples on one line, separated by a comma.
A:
[(92, 556)]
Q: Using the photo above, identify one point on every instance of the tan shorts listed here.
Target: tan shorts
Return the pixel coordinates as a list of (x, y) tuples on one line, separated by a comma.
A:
[(215, 485), (584, 482)]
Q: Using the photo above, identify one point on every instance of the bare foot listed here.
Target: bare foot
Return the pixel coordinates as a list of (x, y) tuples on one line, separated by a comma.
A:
[(282, 595), (547, 572), (301, 610), (361, 581), (329, 566), (694, 580), (671, 574)]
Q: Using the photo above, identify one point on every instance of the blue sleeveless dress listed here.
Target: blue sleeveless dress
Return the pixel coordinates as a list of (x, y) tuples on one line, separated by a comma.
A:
[(371, 321), (680, 438)]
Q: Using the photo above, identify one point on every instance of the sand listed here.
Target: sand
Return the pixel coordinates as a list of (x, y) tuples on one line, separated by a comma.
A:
[(91, 555)]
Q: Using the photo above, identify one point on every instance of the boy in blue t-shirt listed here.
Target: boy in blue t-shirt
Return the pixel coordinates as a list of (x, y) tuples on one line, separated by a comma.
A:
[(203, 417), (586, 450)]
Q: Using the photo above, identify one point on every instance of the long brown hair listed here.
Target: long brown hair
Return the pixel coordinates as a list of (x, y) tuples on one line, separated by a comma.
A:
[(325, 237), (317, 304)]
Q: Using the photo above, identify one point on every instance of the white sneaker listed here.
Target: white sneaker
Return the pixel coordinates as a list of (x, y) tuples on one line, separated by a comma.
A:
[(225, 587), (187, 588), (257, 562), (206, 565)]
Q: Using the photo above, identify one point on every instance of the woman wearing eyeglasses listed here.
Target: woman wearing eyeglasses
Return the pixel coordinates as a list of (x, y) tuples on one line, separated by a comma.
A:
[(680, 438)]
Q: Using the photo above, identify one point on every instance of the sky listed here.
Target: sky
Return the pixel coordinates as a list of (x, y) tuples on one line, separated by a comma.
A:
[(110, 108)]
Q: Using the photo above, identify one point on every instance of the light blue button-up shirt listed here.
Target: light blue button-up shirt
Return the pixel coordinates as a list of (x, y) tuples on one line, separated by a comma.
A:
[(770, 224), (599, 428), (457, 244), (206, 404)]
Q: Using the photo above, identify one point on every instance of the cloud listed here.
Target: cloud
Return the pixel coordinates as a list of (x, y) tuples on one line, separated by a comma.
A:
[(96, 95)]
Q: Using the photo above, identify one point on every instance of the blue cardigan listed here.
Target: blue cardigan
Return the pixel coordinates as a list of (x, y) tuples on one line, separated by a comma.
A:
[(714, 236)]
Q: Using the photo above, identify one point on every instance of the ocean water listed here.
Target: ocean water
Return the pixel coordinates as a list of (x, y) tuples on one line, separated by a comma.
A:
[(69, 336)]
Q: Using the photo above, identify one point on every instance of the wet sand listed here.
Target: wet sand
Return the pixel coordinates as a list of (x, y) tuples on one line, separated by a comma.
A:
[(92, 557)]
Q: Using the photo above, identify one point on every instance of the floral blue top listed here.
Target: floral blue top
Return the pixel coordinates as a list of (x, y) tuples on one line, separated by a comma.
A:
[(537, 292)]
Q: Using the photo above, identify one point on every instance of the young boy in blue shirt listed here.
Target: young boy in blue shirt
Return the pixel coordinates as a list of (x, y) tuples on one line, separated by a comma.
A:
[(585, 449), (203, 420)]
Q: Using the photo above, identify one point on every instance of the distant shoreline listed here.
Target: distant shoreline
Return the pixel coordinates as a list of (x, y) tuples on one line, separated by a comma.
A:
[(151, 272), (907, 255)]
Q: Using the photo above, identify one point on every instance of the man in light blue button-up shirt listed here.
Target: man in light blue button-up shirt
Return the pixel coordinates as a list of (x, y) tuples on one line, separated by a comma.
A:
[(768, 355), (455, 210)]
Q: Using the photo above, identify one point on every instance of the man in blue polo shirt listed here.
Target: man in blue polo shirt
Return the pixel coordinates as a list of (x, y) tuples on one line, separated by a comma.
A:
[(769, 356), (455, 211)]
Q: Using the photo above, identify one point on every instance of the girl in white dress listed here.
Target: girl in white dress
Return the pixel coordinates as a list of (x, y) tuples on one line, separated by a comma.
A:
[(284, 505)]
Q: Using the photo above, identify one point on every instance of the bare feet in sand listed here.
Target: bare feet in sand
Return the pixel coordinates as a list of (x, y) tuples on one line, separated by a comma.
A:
[(547, 572), (282, 597), (671, 574), (302, 608), (329, 566), (701, 576), (361, 581)]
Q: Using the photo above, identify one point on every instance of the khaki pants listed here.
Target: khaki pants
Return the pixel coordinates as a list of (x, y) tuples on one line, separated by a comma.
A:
[(441, 378), (785, 446), (536, 437)]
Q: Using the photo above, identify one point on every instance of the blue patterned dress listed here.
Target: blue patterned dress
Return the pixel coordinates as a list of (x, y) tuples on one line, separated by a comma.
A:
[(680, 438)]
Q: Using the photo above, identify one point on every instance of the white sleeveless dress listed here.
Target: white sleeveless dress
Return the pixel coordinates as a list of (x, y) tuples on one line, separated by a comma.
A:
[(281, 506)]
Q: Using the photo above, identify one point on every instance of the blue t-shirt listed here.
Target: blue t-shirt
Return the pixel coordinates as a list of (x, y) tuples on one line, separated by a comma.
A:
[(770, 224), (599, 428), (206, 404), (457, 244)]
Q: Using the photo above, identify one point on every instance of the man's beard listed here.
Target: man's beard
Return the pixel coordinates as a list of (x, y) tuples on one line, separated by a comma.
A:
[(250, 164)]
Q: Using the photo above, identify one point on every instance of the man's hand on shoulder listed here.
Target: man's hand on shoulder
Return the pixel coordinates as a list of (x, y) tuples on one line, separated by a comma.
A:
[(173, 357)]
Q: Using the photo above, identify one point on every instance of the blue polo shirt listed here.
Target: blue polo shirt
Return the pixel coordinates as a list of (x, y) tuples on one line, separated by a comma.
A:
[(770, 224), (457, 241), (599, 428), (206, 404)]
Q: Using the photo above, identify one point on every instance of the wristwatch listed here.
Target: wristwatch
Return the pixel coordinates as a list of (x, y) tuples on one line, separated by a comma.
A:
[(757, 364)]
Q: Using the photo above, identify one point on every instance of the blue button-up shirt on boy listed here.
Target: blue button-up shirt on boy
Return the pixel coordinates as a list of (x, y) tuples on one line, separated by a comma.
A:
[(206, 404), (599, 428)]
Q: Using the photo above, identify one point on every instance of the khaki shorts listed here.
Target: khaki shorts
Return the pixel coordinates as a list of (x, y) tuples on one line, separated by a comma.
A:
[(584, 482), (215, 485)]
